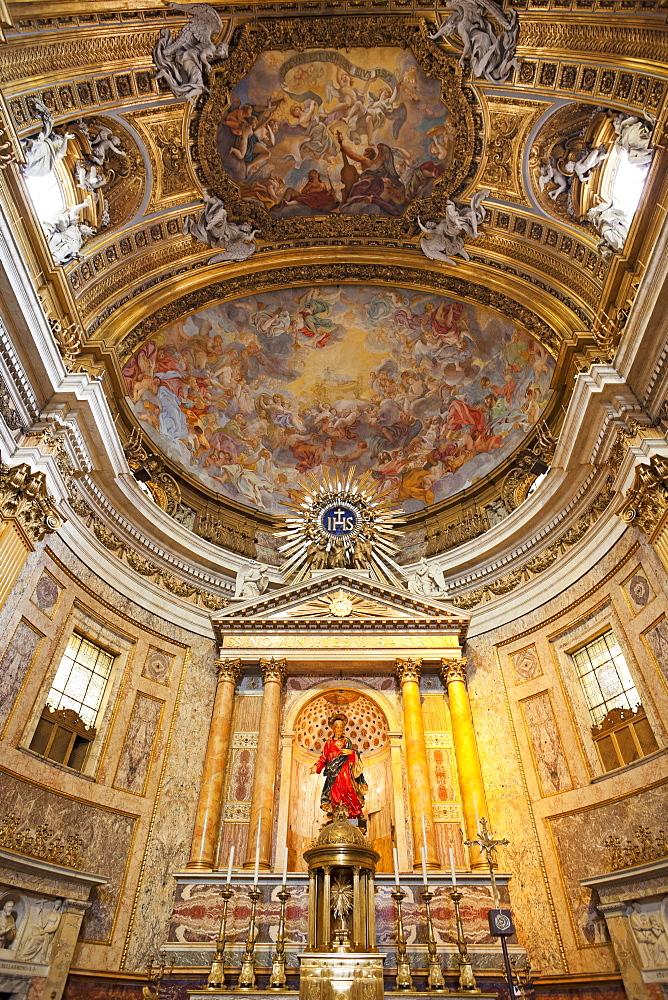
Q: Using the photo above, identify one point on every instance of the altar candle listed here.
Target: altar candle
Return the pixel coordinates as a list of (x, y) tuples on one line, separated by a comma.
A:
[(285, 865), (477, 818), (257, 856), (396, 866), (229, 865), (452, 868)]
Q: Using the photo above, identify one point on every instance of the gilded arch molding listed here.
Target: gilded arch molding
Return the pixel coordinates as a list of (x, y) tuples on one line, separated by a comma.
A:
[(549, 321)]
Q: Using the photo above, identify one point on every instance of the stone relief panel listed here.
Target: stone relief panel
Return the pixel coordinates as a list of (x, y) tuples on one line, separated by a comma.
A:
[(137, 754), (107, 837), (158, 666), (579, 839), (649, 923), (546, 746), (15, 664), (656, 638), (638, 590), (46, 594), (28, 925), (526, 664)]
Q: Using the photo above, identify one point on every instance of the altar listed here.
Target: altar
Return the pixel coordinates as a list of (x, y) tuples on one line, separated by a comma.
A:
[(390, 663)]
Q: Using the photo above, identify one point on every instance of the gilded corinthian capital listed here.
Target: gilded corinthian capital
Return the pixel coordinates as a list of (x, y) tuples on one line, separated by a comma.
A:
[(273, 670), (408, 670), (647, 500), (228, 670), (23, 495), (454, 670)]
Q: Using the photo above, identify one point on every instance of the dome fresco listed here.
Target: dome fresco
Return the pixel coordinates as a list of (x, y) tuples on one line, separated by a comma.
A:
[(427, 392)]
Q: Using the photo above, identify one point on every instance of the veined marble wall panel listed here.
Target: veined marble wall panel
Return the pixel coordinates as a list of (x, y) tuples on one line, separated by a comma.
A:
[(526, 664), (107, 841), (46, 594), (548, 752), (558, 780), (140, 737), (247, 713), (580, 843), (509, 809), (161, 821), (241, 771), (158, 665), (656, 638), (15, 664)]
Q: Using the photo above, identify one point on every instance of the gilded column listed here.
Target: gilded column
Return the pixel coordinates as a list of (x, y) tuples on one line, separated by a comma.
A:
[(453, 673), (266, 762), (419, 789), (210, 805)]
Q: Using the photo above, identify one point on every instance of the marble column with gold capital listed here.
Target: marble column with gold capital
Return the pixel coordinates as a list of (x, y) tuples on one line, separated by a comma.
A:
[(210, 804), (266, 762), (472, 789), (419, 788)]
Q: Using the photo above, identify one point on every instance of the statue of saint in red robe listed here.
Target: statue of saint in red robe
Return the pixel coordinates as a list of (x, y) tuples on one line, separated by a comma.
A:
[(344, 780)]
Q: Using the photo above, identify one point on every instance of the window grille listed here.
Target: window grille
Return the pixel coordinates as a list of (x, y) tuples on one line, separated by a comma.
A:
[(67, 725)]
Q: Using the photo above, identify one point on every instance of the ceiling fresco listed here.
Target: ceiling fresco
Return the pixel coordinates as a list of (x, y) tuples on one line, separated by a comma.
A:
[(429, 393), (323, 131)]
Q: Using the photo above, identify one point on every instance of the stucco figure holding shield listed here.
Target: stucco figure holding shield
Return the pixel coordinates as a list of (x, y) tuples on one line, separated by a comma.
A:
[(344, 780)]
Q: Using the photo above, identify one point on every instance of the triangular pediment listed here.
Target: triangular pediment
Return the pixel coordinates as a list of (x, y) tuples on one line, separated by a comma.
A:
[(341, 599)]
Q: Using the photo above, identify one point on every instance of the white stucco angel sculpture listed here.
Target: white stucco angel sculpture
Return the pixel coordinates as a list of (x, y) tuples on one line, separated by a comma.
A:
[(551, 174), (612, 224), (634, 135), (183, 61), (66, 234), (236, 240), (252, 581), (444, 239), (43, 153), (492, 56), (427, 580), (588, 160)]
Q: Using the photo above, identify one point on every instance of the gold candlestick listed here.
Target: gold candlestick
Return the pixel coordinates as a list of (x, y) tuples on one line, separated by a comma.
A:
[(277, 980), (247, 974), (216, 980), (466, 978), (435, 980), (404, 979)]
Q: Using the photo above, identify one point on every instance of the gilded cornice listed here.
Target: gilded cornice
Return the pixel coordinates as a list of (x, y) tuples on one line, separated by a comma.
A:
[(471, 283), (566, 38), (50, 60)]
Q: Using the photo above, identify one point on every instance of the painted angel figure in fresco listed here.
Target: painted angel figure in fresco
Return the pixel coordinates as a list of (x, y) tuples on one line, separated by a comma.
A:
[(344, 780)]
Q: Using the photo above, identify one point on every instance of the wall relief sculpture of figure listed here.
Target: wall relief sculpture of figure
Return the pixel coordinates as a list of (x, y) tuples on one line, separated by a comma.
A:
[(38, 940), (8, 917), (43, 153), (492, 56), (237, 241), (344, 778), (184, 61), (251, 581), (444, 239), (427, 581)]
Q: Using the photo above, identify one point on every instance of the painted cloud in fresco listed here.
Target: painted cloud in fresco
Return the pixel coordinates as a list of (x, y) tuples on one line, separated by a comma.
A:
[(317, 132), (427, 392)]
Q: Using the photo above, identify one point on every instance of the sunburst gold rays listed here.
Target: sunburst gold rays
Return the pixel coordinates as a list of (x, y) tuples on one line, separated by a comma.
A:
[(370, 544)]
